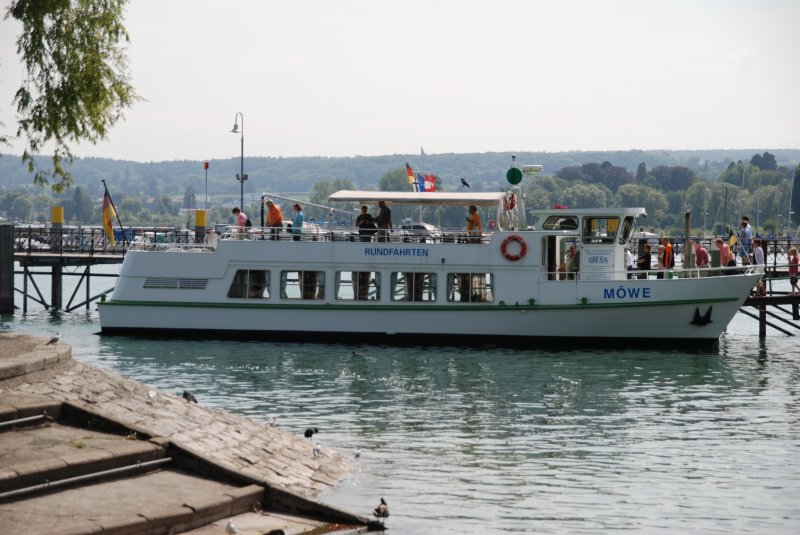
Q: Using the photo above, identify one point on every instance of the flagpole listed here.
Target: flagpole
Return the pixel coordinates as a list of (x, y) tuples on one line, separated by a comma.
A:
[(124, 236)]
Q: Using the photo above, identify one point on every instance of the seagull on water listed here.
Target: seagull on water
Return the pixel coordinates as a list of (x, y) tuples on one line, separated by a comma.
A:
[(382, 511), (357, 455), (310, 432), (54, 339), (464, 182), (188, 396)]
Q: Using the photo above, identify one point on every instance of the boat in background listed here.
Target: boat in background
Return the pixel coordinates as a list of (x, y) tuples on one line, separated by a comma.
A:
[(506, 285)]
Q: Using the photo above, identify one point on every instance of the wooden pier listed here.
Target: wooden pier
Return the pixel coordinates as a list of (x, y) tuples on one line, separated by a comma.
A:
[(56, 252), (773, 309)]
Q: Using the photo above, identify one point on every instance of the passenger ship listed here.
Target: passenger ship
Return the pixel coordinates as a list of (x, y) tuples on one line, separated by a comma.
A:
[(408, 287)]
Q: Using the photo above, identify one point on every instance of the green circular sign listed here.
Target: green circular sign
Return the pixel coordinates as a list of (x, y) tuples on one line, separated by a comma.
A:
[(514, 176)]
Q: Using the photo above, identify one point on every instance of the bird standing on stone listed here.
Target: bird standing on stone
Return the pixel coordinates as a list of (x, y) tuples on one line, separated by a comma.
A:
[(231, 528), (317, 449), (188, 396), (310, 432), (382, 511), (54, 339), (464, 182)]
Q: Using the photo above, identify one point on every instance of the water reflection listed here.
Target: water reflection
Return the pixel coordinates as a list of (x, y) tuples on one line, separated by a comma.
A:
[(464, 440)]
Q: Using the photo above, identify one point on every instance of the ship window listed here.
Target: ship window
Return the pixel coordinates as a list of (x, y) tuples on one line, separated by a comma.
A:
[(470, 287), (560, 222), (627, 226), (600, 229), (358, 285), (409, 286), (250, 284), (303, 285)]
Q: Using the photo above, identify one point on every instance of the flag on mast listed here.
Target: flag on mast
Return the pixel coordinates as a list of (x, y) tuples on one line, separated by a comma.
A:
[(108, 218), (411, 179), (430, 182)]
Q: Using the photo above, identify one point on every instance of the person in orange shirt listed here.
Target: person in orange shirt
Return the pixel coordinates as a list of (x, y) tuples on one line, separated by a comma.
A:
[(669, 258), (474, 224), (274, 218)]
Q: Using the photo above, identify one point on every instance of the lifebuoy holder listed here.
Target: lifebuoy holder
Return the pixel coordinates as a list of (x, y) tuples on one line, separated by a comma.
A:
[(523, 248)]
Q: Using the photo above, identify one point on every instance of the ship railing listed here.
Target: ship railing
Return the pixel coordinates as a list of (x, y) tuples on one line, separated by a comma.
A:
[(324, 234), (650, 274)]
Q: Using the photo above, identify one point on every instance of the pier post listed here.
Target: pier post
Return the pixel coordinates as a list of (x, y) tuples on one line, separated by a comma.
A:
[(762, 320), (56, 279), (57, 236), (688, 250), (6, 269)]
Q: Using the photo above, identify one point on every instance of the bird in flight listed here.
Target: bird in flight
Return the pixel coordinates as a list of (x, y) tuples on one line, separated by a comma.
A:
[(54, 339), (464, 182)]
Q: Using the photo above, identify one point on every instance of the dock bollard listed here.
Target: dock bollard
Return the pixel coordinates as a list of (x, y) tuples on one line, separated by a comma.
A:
[(57, 217)]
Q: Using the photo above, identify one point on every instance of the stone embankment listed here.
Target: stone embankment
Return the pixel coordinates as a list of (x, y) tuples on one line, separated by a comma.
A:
[(191, 467)]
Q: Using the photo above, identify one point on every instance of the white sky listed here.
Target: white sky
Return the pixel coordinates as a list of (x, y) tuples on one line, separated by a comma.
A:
[(368, 77)]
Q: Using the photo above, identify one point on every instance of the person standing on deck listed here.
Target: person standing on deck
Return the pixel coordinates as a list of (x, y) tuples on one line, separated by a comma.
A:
[(701, 259), (297, 222), (366, 224), (274, 218), (384, 221), (745, 235), (474, 224)]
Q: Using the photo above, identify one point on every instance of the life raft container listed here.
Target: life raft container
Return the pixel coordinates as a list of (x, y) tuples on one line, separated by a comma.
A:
[(523, 248)]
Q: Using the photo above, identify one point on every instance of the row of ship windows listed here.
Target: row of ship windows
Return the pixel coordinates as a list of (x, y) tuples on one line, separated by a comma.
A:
[(363, 286)]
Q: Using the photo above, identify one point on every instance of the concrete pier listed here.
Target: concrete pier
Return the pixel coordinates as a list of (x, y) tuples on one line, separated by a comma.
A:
[(115, 456)]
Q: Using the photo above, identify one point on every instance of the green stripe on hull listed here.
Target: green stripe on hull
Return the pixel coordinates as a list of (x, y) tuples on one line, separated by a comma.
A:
[(481, 307)]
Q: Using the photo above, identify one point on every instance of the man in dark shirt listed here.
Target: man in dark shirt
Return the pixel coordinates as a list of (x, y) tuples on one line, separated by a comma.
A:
[(366, 225), (384, 221)]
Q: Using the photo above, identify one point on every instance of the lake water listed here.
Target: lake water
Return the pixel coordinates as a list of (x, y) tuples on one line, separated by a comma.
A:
[(462, 440)]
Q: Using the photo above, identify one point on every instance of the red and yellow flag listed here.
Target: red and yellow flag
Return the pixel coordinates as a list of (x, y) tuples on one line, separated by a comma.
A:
[(411, 179), (108, 219)]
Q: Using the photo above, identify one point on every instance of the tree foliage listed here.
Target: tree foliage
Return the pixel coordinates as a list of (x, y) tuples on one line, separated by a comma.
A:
[(673, 178), (395, 180), (77, 83)]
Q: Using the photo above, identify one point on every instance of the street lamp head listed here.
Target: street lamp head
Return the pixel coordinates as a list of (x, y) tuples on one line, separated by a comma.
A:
[(235, 128)]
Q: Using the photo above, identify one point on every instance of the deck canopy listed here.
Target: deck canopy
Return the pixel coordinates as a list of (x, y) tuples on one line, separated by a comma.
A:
[(417, 198)]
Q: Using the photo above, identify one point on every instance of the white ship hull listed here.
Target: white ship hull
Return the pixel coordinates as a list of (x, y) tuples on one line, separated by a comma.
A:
[(187, 290)]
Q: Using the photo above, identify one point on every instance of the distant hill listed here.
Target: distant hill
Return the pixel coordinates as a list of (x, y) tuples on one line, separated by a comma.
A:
[(484, 170)]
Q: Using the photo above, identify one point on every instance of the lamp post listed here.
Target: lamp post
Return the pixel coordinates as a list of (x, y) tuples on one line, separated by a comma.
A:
[(241, 177), (205, 166)]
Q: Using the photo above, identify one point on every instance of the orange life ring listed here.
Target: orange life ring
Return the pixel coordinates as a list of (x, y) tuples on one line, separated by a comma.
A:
[(523, 248)]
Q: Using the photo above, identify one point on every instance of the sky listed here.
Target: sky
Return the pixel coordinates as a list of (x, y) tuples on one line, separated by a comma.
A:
[(373, 77)]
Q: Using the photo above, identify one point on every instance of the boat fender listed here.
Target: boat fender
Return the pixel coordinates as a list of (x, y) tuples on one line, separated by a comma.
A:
[(510, 201), (502, 303), (523, 248)]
